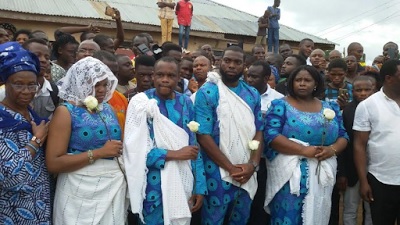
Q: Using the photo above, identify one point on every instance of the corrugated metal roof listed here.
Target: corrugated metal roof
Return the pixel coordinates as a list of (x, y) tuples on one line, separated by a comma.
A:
[(208, 16)]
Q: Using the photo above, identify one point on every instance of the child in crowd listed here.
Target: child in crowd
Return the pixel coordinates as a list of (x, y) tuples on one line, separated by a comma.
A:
[(336, 74), (347, 179)]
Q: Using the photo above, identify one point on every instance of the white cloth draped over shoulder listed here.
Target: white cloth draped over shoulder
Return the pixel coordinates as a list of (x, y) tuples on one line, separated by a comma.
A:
[(176, 177), (94, 194), (286, 168), (237, 128)]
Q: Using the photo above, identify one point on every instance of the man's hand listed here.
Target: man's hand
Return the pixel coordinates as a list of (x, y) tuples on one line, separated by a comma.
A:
[(343, 100), (366, 192), (196, 201), (117, 15), (247, 170)]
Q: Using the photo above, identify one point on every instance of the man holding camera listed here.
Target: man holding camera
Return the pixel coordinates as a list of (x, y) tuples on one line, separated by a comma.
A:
[(166, 15)]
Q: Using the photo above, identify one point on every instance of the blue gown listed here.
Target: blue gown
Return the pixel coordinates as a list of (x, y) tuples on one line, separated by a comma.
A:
[(222, 194), (283, 119), (180, 111)]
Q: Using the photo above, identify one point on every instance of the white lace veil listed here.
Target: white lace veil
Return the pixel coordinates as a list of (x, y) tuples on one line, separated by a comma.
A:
[(81, 79)]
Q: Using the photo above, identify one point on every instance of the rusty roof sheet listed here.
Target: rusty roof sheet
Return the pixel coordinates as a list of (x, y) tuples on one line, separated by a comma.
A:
[(208, 16)]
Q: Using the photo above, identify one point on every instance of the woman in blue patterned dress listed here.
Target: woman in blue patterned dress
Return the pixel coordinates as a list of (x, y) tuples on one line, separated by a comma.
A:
[(24, 180), (84, 146), (302, 147)]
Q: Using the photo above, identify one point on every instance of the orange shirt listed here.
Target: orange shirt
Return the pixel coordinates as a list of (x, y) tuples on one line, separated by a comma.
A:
[(120, 104)]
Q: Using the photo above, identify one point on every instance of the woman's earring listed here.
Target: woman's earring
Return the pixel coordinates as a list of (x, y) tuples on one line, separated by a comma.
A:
[(315, 88)]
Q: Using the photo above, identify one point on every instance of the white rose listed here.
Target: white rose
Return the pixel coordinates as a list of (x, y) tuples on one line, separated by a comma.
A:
[(91, 103), (329, 114), (193, 126), (253, 145)]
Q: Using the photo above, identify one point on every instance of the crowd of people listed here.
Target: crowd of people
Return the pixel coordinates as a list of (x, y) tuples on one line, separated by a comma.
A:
[(89, 136)]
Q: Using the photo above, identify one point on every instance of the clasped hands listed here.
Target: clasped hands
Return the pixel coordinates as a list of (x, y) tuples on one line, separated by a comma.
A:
[(318, 152), (241, 173)]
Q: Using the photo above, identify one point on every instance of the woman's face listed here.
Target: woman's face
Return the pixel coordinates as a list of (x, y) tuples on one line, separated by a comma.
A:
[(21, 38), (303, 84), (21, 88), (101, 90)]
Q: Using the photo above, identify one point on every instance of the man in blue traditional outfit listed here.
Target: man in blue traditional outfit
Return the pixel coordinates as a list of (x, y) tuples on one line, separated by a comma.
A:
[(164, 169), (229, 113)]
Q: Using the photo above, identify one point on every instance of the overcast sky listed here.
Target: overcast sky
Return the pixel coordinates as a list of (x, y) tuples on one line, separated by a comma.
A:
[(370, 22)]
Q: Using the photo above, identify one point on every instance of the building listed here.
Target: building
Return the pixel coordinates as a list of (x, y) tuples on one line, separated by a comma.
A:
[(213, 23)]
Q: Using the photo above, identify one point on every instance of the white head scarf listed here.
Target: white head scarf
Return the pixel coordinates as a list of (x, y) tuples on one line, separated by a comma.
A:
[(81, 79)]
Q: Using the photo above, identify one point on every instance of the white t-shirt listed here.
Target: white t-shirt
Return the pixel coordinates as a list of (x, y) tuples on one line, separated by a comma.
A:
[(381, 116), (268, 97)]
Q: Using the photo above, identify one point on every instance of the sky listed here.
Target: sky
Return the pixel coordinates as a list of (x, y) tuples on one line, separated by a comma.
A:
[(369, 22)]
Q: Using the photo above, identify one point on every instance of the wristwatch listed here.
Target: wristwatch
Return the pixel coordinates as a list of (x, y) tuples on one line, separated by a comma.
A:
[(37, 140), (255, 165)]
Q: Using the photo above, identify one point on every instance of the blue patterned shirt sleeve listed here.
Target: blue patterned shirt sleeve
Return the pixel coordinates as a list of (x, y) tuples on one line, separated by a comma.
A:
[(339, 119), (205, 105), (156, 158), (16, 160), (275, 120), (258, 116)]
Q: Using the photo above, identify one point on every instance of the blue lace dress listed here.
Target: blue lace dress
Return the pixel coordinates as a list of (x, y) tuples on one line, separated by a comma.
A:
[(283, 119)]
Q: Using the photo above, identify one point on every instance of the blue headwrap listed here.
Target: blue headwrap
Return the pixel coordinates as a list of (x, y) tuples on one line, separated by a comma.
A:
[(13, 59), (275, 72)]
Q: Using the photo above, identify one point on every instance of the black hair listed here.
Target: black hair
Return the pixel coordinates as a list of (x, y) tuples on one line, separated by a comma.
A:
[(389, 68), (144, 60), (373, 75), (202, 52), (82, 37), (249, 59), (22, 31), (234, 48), (101, 39), (320, 88), (391, 43), (187, 59), (278, 59), (104, 55), (352, 45), (304, 40), (169, 60), (8, 26), (62, 41), (266, 67), (33, 40), (363, 78), (301, 61), (337, 63), (141, 35), (170, 47), (31, 35)]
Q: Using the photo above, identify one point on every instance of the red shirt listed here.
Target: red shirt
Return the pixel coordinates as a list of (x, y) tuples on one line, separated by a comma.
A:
[(184, 12)]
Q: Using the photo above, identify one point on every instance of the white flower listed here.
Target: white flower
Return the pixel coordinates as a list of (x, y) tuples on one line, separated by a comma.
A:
[(329, 114), (193, 126), (253, 145), (91, 103)]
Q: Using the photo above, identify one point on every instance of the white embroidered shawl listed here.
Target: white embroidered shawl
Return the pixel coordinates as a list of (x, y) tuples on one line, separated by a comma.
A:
[(236, 124), (317, 203), (176, 177)]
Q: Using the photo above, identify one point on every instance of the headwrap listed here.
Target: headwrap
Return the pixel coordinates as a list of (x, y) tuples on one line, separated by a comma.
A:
[(13, 59), (9, 26), (275, 72), (81, 79)]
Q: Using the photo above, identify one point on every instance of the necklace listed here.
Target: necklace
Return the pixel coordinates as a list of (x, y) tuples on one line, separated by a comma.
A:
[(27, 115)]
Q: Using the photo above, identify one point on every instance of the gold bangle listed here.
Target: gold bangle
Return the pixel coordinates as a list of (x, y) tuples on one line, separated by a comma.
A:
[(90, 156), (334, 150)]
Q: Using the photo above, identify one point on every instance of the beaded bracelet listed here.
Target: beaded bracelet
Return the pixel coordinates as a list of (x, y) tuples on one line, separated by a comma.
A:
[(334, 150), (90, 156), (32, 147)]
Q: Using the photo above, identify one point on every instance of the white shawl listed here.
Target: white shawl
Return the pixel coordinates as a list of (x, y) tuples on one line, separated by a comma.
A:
[(176, 177), (236, 125), (317, 203)]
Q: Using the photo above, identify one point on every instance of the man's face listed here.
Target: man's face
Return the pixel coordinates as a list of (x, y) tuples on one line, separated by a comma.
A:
[(125, 68), (217, 62), (336, 76), (4, 37), (259, 53), (289, 65), (285, 51), (334, 55), (277, 3), (232, 66), (207, 49), (378, 61), (109, 46), (186, 69), (166, 78), (386, 50), (201, 66), (351, 62), (256, 78), (362, 89), (358, 52), (68, 52), (306, 48), (316, 58), (144, 76), (86, 49), (43, 54)]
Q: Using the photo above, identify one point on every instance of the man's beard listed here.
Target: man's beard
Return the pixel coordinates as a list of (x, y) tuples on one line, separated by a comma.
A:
[(227, 78)]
